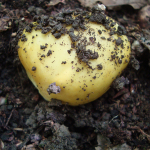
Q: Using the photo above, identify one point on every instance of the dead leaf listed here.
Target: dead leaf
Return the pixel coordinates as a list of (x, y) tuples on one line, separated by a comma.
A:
[(103, 142), (1, 144), (4, 23), (88, 3), (136, 4), (55, 2)]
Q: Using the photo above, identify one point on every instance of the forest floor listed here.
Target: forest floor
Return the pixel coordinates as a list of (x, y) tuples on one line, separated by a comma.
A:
[(118, 119)]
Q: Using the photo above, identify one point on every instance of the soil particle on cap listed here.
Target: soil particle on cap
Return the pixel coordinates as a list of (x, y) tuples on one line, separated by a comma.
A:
[(43, 46), (20, 31), (99, 67), (92, 39), (119, 41), (122, 56), (99, 45), (57, 35), (109, 39), (58, 27), (76, 23), (78, 70), (63, 31), (79, 22), (46, 30), (49, 53), (113, 56), (53, 89), (69, 51), (99, 18), (38, 27), (73, 37), (107, 25), (63, 62), (44, 20), (103, 38), (52, 23), (33, 68), (126, 61), (28, 29), (72, 45), (83, 54), (43, 55), (112, 24), (53, 30), (36, 18), (120, 61), (68, 20), (23, 38), (83, 27), (99, 31), (61, 19), (121, 30), (112, 31)]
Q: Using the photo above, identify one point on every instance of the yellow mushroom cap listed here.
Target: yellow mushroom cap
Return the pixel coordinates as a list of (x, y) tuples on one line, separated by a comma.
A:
[(76, 66)]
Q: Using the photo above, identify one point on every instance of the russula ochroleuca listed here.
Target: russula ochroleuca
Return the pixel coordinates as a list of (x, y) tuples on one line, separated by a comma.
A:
[(75, 56)]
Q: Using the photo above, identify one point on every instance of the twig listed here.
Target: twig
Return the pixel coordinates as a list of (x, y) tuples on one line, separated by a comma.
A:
[(140, 130), (9, 118)]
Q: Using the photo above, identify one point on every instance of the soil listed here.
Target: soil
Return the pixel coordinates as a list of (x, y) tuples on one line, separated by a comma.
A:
[(27, 121)]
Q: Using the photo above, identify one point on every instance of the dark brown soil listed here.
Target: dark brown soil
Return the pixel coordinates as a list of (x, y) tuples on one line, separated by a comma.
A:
[(27, 120)]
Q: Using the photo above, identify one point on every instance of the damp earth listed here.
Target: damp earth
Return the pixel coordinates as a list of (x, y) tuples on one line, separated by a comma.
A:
[(120, 118)]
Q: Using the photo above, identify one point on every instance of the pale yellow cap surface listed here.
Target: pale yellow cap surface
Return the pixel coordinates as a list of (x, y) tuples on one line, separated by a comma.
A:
[(79, 83)]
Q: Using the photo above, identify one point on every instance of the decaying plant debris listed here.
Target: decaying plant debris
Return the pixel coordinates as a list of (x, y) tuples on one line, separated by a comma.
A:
[(136, 4)]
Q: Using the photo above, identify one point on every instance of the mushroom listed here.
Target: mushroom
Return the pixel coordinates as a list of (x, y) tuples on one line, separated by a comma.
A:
[(74, 58)]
